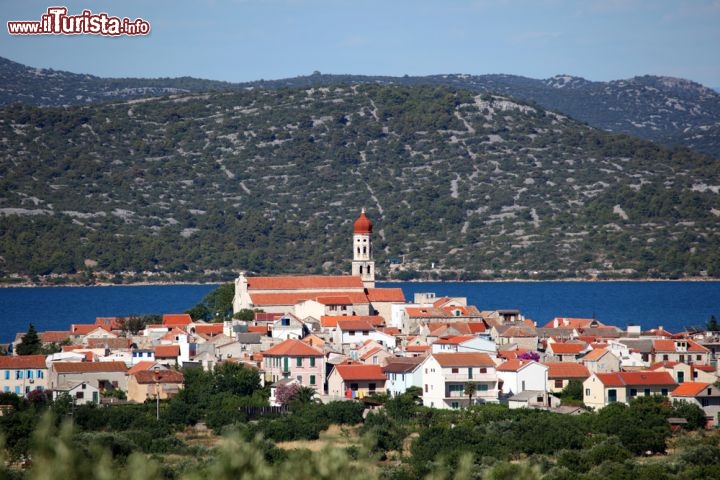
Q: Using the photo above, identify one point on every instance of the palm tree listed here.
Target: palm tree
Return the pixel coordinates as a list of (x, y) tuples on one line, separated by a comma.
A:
[(470, 388), (304, 395)]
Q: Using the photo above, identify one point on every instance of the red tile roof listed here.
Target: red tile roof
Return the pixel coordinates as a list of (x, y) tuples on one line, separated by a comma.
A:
[(146, 365), (671, 346), (567, 370), (22, 361), (267, 317), (87, 367), (113, 343), (304, 282), (54, 336), (346, 325), (425, 312), (417, 348), (292, 298), (594, 355), (454, 340), (209, 329), (622, 379), (386, 295), (513, 365), (111, 323), (263, 329), (84, 328), (440, 328), (476, 327), (176, 319), (167, 351), (360, 372), (518, 331), (689, 389), (292, 348), (161, 376), (389, 330), (566, 348), (462, 359)]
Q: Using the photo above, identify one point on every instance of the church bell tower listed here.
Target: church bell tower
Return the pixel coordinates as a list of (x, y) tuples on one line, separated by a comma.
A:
[(363, 264)]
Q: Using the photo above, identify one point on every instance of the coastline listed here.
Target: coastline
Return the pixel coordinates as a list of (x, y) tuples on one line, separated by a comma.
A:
[(499, 280)]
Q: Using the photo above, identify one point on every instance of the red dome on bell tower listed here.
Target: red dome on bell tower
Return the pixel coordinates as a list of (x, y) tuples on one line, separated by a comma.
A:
[(362, 224)]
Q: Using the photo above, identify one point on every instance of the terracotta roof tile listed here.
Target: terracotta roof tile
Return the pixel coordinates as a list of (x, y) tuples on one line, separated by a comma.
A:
[(84, 328), (167, 351), (567, 370), (594, 355), (513, 365), (622, 379), (462, 359), (292, 298), (689, 389), (54, 336), (113, 343), (292, 348), (386, 295), (87, 367), (22, 361), (161, 376), (454, 340), (209, 329), (425, 312), (360, 372), (566, 348), (362, 325), (176, 319), (146, 365), (303, 282)]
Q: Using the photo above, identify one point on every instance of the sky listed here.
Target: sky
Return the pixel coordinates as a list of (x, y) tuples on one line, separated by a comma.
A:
[(244, 40)]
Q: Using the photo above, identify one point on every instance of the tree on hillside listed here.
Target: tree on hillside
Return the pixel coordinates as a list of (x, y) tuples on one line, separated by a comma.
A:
[(30, 344)]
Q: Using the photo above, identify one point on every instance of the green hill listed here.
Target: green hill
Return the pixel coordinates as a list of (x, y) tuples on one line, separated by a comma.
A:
[(270, 180)]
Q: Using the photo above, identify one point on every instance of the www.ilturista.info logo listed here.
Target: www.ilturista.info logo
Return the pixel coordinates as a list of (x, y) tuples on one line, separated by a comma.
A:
[(57, 22)]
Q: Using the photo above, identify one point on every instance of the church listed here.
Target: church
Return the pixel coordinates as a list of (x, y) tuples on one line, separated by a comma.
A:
[(318, 296)]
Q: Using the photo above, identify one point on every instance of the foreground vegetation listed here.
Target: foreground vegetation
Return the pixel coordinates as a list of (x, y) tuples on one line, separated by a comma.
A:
[(210, 430)]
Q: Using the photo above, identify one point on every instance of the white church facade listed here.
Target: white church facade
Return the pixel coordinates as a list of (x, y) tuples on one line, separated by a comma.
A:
[(344, 295)]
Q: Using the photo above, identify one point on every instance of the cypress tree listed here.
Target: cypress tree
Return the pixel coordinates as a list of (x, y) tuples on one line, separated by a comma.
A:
[(30, 344)]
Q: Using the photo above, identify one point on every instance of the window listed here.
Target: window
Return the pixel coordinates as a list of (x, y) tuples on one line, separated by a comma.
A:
[(27, 390), (664, 392), (17, 390), (79, 395), (371, 387), (482, 387), (354, 386), (366, 333), (426, 388), (312, 379), (558, 384), (647, 392), (705, 402), (454, 405), (483, 370), (633, 392), (470, 372), (698, 358), (312, 361), (18, 374), (665, 358), (7, 374), (40, 374), (298, 362), (454, 370), (587, 392), (352, 333), (29, 374)]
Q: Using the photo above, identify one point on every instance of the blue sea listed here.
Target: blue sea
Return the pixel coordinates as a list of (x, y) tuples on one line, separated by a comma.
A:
[(673, 305)]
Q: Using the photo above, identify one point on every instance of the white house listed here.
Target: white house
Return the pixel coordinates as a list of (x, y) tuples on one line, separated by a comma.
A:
[(521, 375), (445, 376), (402, 373)]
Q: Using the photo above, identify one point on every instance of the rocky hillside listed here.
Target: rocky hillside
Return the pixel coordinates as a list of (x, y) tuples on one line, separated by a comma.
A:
[(666, 110), (459, 184)]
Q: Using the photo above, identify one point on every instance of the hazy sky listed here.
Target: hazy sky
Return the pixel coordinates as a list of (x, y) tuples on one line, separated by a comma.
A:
[(241, 40)]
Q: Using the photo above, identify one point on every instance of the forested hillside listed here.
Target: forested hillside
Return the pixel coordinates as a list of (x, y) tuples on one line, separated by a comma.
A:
[(459, 185), (666, 110)]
